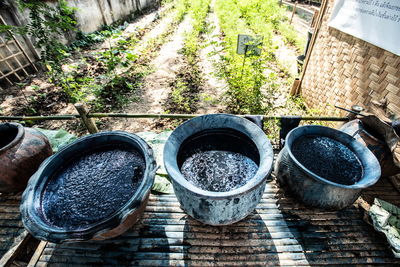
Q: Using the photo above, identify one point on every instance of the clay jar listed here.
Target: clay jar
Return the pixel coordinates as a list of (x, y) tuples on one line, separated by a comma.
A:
[(22, 150), (374, 142)]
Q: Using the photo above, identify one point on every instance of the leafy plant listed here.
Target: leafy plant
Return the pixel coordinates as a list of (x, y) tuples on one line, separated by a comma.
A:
[(186, 86), (118, 89), (77, 87), (244, 74), (117, 92), (251, 85), (183, 97), (117, 55), (47, 24), (291, 36), (84, 40)]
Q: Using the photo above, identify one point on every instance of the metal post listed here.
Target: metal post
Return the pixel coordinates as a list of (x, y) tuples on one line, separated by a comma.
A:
[(244, 60), (87, 122), (287, 123)]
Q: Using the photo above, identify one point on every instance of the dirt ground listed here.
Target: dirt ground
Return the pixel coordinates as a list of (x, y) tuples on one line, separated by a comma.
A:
[(213, 88), (156, 87)]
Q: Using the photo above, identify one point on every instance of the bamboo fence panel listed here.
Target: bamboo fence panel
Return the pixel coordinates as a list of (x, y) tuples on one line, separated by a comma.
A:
[(344, 70), (15, 65)]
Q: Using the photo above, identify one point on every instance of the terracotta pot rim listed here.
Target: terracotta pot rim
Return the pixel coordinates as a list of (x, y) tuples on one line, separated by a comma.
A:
[(18, 137)]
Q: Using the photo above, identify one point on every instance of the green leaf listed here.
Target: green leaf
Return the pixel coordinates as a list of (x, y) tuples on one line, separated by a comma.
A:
[(131, 56), (157, 142), (58, 138), (162, 185)]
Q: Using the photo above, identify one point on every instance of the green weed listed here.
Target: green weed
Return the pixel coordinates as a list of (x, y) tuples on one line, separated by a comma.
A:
[(117, 92)]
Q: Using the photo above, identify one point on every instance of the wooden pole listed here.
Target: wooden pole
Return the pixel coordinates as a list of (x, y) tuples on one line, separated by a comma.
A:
[(295, 87), (318, 24), (314, 19), (294, 11), (87, 122), (38, 252), (40, 118)]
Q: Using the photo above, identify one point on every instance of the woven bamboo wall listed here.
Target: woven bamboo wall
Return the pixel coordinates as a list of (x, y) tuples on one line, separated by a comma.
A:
[(344, 70)]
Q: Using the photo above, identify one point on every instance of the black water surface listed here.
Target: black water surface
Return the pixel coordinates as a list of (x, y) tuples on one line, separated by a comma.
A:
[(328, 158), (92, 187)]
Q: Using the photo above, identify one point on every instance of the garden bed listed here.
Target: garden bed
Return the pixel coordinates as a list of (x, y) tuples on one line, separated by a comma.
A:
[(180, 58)]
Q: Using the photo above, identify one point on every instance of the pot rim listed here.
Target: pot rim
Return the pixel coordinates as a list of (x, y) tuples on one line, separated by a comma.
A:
[(193, 126), (364, 131), (17, 138), (367, 179), (43, 230)]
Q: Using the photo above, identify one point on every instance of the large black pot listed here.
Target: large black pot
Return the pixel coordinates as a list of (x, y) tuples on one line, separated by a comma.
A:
[(226, 133), (318, 191), (33, 207)]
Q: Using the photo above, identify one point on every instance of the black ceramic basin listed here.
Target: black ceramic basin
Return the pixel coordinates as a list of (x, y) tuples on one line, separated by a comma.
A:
[(324, 167), (229, 160), (95, 188)]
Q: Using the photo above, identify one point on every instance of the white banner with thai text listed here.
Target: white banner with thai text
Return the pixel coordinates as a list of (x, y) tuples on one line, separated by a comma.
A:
[(374, 21)]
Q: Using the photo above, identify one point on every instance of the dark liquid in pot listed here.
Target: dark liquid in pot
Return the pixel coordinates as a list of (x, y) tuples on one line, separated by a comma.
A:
[(218, 171), (92, 187), (328, 159)]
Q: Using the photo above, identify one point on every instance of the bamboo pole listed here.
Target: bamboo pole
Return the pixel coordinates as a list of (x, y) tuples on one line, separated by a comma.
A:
[(295, 87), (294, 11), (318, 24), (38, 252), (87, 122), (143, 116), (314, 19), (40, 118), (190, 116), (154, 116)]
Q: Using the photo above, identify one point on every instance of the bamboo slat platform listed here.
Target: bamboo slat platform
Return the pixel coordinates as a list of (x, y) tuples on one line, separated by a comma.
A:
[(280, 232), (10, 222)]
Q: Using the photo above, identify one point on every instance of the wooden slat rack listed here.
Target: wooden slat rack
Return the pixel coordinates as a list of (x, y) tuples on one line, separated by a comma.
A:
[(10, 221), (280, 232)]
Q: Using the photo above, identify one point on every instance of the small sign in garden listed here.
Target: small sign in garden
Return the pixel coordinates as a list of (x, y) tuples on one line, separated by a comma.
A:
[(374, 21), (249, 45)]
